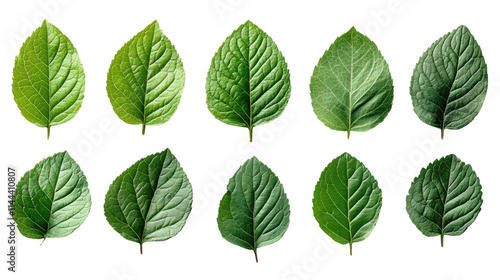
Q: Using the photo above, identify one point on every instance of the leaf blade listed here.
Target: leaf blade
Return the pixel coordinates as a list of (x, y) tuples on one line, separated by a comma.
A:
[(48, 79), (146, 78), (450, 81), (340, 207), (351, 86), (458, 184), (151, 200), (254, 212), (248, 82), (52, 199)]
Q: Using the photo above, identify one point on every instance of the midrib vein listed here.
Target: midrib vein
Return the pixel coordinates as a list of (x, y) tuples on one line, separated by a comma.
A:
[(350, 84), (145, 86), (53, 197), (347, 200), (446, 197), (253, 211), (48, 74), (249, 78), (146, 217), (453, 80)]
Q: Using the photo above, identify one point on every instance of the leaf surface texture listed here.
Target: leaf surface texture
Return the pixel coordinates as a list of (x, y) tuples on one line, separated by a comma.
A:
[(248, 82), (151, 200), (347, 200), (449, 82), (146, 78), (445, 198), (52, 199), (351, 86), (48, 79), (254, 212)]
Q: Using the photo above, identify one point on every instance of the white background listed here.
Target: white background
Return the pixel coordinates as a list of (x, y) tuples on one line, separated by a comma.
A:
[(297, 146)]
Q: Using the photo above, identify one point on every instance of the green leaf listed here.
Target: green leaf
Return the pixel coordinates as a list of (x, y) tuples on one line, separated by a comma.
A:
[(151, 200), (48, 81), (351, 87), (450, 81), (52, 199), (254, 212), (347, 200), (445, 198), (248, 82), (146, 78)]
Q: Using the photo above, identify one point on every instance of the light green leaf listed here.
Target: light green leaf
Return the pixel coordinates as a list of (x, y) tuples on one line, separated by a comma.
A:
[(254, 212), (445, 198), (351, 87), (48, 81), (248, 82), (450, 81), (146, 78), (151, 200), (52, 199), (347, 200)]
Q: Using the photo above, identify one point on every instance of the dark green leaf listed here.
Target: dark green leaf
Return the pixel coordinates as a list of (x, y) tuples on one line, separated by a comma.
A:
[(52, 199), (347, 200), (48, 81), (449, 82), (351, 87), (248, 82), (445, 198), (146, 78), (151, 200), (254, 212)]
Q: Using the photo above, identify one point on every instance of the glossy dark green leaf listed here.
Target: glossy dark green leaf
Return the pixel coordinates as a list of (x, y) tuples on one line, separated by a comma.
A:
[(48, 81), (445, 198), (146, 78), (351, 87), (449, 82), (248, 82), (151, 200), (347, 200), (52, 199), (254, 212)]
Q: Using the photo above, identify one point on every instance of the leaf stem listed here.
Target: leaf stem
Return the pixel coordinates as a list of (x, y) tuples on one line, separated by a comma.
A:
[(442, 133), (250, 131), (350, 248), (43, 241), (140, 245), (143, 128), (255, 253), (442, 240), (48, 132), (348, 133)]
